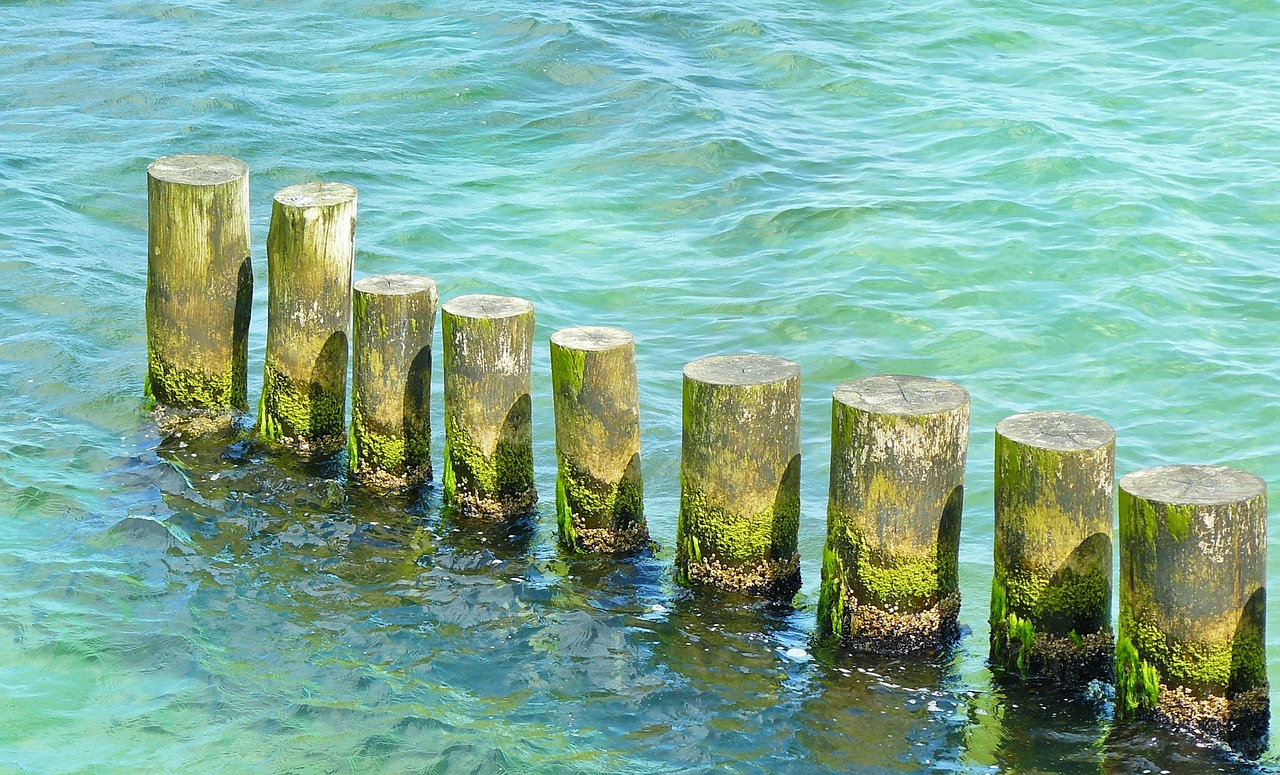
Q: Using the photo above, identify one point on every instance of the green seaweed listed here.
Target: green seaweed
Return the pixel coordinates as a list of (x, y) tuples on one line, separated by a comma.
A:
[(831, 594), (1137, 681), (568, 369)]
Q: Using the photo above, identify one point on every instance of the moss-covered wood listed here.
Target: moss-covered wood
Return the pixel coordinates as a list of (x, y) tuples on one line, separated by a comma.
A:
[(199, 289), (310, 261), (393, 317), (1054, 506), (488, 452), (889, 571), (740, 475), (599, 493), (1193, 563)]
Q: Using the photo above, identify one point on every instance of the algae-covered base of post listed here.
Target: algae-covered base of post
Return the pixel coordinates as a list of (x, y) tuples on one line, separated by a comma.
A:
[(740, 475), (488, 452), (599, 492), (199, 291), (1190, 650), (392, 322), (889, 572), (1051, 591)]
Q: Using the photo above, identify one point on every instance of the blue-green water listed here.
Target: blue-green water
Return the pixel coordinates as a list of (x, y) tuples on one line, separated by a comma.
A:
[(1070, 208)]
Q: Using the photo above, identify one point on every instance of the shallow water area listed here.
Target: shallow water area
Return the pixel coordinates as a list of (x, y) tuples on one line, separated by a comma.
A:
[(1059, 209)]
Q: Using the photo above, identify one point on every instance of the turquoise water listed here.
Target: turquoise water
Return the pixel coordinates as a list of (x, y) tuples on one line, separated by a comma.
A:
[(1072, 209)]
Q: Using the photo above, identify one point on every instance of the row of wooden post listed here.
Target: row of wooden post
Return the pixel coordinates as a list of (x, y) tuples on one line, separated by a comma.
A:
[(1190, 646)]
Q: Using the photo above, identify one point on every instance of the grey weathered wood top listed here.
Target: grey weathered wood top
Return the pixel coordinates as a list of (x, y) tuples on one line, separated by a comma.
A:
[(741, 370), (1057, 431), (395, 284), (1193, 485), (901, 394), (593, 338), (483, 305), (316, 194), (198, 169)]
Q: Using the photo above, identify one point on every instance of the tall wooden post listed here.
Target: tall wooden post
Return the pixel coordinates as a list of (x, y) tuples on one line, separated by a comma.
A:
[(392, 322), (199, 288), (1193, 573), (599, 494), (740, 475), (889, 569), (488, 453), (1051, 594), (310, 261)]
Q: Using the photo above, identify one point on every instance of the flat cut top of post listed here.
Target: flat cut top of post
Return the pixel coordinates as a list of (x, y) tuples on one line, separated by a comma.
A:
[(483, 305), (316, 194), (741, 370), (1057, 431), (198, 169), (395, 284), (592, 338), (1193, 485), (901, 394)]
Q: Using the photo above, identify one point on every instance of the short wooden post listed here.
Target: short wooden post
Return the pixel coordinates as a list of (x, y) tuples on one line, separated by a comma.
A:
[(310, 261), (1190, 649), (1051, 595), (740, 475), (488, 433), (393, 319), (199, 284), (599, 494), (889, 568)]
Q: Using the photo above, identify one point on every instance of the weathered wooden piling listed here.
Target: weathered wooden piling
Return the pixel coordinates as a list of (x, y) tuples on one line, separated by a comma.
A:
[(1193, 571), (1051, 594), (310, 261), (889, 568), (740, 475), (199, 288), (392, 321), (599, 494), (488, 452)]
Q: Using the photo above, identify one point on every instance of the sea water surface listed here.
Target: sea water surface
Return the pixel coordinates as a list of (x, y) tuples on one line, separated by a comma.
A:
[(1069, 206)]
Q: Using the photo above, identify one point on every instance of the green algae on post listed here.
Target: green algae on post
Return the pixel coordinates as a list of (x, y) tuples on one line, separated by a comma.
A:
[(199, 290), (310, 261), (889, 571), (599, 492), (488, 431), (392, 322), (1051, 594), (740, 475), (1190, 651)]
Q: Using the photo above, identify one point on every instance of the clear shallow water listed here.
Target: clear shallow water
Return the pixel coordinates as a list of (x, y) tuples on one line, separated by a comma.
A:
[(1072, 210)]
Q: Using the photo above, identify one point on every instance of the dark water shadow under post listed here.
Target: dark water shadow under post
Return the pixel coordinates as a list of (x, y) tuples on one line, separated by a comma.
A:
[(867, 712), (718, 655)]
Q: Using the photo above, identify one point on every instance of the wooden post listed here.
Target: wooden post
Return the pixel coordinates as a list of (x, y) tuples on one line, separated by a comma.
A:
[(1193, 571), (488, 433), (599, 494), (310, 260), (199, 287), (889, 568), (1051, 595), (393, 319), (740, 475)]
